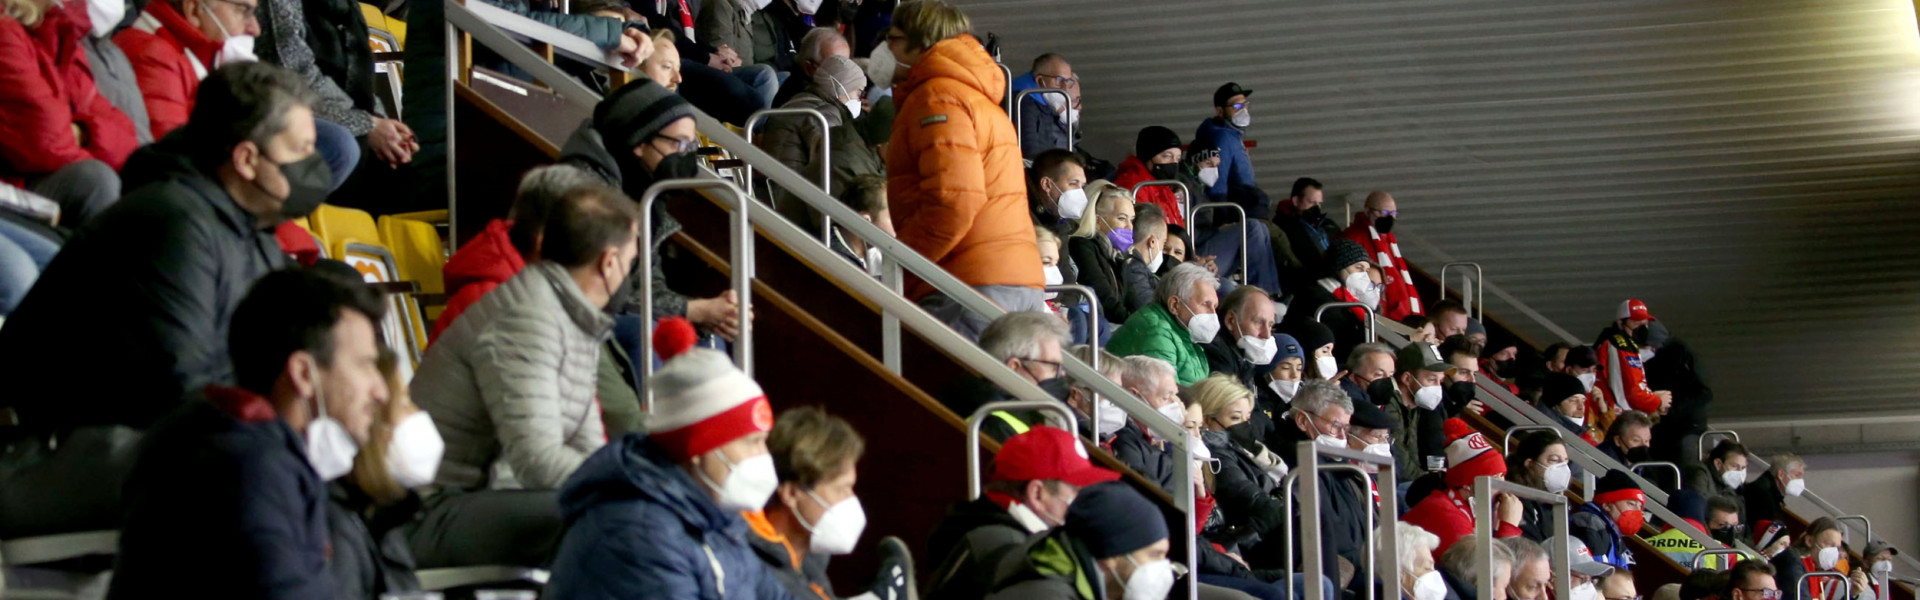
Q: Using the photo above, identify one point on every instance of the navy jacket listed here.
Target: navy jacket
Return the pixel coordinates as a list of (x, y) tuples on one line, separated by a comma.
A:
[(222, 503), (638, 526), (1235, 167)]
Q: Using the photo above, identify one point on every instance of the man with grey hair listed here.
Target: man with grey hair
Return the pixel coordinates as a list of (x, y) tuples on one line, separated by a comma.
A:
[(1172, 329), (834, 90), (1245, 346), (1532, 573), (1367, 363), (1032, 345), (1152, 381), (1321, 414), (1766, 497), (816, 47), (1460, 565)]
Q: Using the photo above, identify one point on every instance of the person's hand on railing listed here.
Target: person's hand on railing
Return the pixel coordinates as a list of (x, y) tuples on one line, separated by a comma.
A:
[(717, 315), (392, 141)]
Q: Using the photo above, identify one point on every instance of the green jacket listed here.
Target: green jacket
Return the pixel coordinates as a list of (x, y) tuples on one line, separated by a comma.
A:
[(1151, 331)]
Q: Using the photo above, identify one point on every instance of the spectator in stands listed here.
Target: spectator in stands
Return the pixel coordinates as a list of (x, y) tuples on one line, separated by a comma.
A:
[(780, 28), (1723, 472), (663, 67), (867, 196), (1097, 254), (1629, 437), (1419, 436), (1460, 565), (1143, 266), (1413, 560), (1372, 229), (1137, 445), (1104, 543), (511, 386), (818, 45), (1343, 278), (1278, 385), (642, 134), (1156, 157), (1446, 513), (1047, 120), (1532, 574), (1618, 585), (1422, 329), (1173, 328), (1217, 233), (1244, 346), (170, 267), (1691, 507), (730, 25), (1622, 379), (368, 508), (1564, 399), (113, 75), (1200, 169), (1673, 370), (1323, 415), (877, 125), (1317, 341), (1820, 548), (1477, 331), (1539, 461), (1878, 557), (173, 44), (1583, 570), (1371, 431), (1723, 518), (1367, 363), (61, 138), (1614, 513), (658, 514), (1035, 478), (796, 140), (815, 455), (954, 176), (1581, 362), (1463, 352), (1249, 473), (1056, 190), (1449, 318), (1751, 580), (1766, 497), (1110, 418), (1226, 130), (1029, 342), (1499, 363), (238, 477), (1308, 229)]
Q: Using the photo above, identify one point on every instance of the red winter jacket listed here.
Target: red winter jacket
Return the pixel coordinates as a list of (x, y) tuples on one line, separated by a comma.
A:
[(1132, 172), (488, 260), (158, 45), (1442, 517), (46, 89)]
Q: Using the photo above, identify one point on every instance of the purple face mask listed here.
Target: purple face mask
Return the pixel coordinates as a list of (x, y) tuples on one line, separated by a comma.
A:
[(1122, 239)]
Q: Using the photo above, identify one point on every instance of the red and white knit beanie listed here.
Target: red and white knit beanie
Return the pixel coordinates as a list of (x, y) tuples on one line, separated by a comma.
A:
[(1469, 456), (700, 400)]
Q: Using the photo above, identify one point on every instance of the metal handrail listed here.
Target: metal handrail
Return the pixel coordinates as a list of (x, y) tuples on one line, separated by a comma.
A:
[(742, 242), (1700, 558), (980, 416), (1184, 202), (826, 153), (1587, 484), (1019, 107), (1093, 340), (1700, 443), (1479, 287), (1372, 336), (1483, 489), (1846, 533), (1679, 479), (1386, 511), (1801, 585), (1506, 443), (1245, 275), (1006, 100)]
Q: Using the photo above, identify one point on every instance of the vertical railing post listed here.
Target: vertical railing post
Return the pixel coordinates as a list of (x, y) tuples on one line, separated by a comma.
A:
[(826, 156), (980, 416), (1475, 298), (1185, 200), (742, 279), (1018, 107), (1093, 340), (889, 322), (1245, 275)]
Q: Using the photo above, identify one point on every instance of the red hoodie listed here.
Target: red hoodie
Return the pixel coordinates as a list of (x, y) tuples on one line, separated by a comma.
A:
[(488, 260), (1132, 172)]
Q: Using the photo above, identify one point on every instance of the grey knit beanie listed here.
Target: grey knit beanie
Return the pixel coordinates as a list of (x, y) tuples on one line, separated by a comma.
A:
[(839, 76), (635, 113)]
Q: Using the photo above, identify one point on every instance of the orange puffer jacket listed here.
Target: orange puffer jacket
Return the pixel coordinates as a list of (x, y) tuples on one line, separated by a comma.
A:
[(955, 181)]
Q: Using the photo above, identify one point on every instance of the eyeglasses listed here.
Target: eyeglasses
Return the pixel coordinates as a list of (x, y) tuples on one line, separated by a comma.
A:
[(680, 145), (1056, 365), (1386, 213), (1066, 83), (1762, 593), (1337, 427), (1237, 105)]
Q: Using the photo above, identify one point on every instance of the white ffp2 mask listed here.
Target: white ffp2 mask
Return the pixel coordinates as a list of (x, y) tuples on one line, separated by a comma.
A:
[(413, 456), (749, 483), (839, 528)]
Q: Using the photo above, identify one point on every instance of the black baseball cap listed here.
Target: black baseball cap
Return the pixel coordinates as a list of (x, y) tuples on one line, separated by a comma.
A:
[(1227, 92)]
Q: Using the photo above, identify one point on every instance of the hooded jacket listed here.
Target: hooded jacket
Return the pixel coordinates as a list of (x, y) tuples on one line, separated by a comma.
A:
[(488, 260), (639, 526), (969, 544), (1053, 566), (46, 90), (587, 150), (169, 262), (955, 182), (1133, 171), (1152, 331), (512, 385)]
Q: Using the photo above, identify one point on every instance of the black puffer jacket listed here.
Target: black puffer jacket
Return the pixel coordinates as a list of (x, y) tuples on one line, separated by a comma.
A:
[(968, 546)]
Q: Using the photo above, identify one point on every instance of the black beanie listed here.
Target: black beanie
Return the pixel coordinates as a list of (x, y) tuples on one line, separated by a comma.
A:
[(1154, 140), (1343, 253), (1312, 336), (635, 113), (1114, 520), (1558, 387), (1581, 356)]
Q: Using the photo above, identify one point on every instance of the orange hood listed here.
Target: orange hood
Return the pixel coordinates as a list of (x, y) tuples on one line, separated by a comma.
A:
[(961, 59)]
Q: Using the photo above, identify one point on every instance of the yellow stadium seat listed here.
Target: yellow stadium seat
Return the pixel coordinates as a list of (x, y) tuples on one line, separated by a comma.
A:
[(335, 226), (403, 328), (418, 255), (378, 23)]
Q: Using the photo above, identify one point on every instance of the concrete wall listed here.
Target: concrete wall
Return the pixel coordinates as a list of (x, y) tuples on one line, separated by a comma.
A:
[(1881, 485)]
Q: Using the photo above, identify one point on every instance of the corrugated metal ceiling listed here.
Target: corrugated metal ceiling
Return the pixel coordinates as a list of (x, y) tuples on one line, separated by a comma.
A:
[(1750, 169)]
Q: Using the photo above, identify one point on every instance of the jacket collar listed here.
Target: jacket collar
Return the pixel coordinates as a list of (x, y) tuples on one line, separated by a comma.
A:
[(961, 59), (167, 21), (573, 301)]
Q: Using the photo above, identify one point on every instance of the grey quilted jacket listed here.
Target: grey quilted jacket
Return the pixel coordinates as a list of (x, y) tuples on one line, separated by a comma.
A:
[(511, 384)]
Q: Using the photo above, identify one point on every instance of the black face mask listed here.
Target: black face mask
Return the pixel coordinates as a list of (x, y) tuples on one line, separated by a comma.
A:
[(1382, 391), (1726, 535), (1637, 455), (1058, 388), (1313, 214), (1503, 368), (1640, 335), (1242, 436), (1384, 224), (309, 181), (1458, 394), (1166, 171), (679, 165)]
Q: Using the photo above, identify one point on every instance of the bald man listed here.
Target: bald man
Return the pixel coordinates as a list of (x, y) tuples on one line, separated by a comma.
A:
[(1373, 229)]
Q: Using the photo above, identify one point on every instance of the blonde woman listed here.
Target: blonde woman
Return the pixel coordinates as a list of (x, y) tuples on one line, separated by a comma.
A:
[(1092, 248), (1238, 489)]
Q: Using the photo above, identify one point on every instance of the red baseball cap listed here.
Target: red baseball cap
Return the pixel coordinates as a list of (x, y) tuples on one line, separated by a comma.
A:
[(1044, 453), (1635, 310)]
